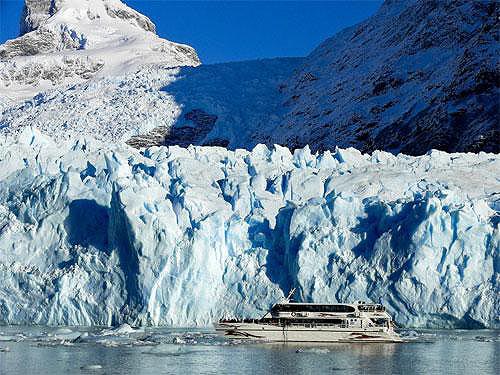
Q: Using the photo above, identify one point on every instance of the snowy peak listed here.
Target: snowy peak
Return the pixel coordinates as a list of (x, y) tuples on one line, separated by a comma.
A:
[(56, 25), (49, 27), (38, 12), (64, 42)]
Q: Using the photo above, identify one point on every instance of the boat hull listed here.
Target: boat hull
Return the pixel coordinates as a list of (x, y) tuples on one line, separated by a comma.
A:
[(274, 333)]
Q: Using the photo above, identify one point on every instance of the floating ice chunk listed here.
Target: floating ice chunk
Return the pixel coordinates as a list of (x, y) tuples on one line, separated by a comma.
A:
[(484, 339), (168, 350), (123, 330), (410, 334), (91, 367), (14, 338), (178, 340), (316, 350), (109, 343), (67, 335)]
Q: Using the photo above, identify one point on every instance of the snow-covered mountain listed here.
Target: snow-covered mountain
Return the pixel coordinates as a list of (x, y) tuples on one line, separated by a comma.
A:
[(92, 233), (87, 67), (69, 41), (417, 75), (130, 87)]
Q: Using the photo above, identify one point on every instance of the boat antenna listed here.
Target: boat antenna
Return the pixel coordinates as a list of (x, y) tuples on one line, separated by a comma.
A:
[(290, 294)]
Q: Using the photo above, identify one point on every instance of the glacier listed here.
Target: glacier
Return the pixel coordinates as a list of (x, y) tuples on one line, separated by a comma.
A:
[(93, 233), (154, 105)]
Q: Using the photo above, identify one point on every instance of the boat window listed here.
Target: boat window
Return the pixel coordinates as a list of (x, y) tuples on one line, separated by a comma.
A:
[(314, 322), (313, 308), (379, 322), (378, 308)]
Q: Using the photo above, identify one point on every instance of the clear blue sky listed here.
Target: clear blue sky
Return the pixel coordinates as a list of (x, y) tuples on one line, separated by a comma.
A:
[(235, 30)]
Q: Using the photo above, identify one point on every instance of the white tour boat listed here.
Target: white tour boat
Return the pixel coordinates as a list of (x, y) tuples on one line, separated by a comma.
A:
[(315, 322)]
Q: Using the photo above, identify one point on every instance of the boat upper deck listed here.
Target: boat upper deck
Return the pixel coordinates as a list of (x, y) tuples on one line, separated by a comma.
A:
[(356, 315), (326, 308)]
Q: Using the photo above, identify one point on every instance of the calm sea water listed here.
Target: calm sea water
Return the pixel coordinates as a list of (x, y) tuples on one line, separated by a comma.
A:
[(43, 350)]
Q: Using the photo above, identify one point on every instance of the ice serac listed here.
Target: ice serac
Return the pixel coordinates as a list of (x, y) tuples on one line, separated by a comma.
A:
[(92, 233)]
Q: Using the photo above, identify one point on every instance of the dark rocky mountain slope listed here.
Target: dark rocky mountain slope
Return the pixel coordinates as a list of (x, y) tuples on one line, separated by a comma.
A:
[(417, 75)]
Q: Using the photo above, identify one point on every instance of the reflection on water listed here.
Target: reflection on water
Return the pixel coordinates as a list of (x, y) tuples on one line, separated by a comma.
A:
[(359, 349), (43, 350)]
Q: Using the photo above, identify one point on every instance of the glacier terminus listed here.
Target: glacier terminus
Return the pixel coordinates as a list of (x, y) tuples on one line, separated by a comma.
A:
[(140, 187), (94, 233)]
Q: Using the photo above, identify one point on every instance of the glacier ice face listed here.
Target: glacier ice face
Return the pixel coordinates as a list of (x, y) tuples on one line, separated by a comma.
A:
[(92, 233)]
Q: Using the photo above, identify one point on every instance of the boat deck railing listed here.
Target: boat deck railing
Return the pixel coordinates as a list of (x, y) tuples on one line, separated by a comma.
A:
[(308, 323)]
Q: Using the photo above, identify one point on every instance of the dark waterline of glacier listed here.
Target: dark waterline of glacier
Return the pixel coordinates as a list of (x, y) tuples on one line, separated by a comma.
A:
[(47, 350)]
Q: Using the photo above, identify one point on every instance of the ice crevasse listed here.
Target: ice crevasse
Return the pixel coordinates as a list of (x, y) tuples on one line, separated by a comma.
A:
[(99, 234)]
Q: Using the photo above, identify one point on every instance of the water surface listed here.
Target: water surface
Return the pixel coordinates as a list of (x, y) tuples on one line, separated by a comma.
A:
[(44, 350)]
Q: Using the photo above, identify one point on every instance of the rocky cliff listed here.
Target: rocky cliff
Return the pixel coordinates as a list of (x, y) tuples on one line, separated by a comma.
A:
[(417, 75)]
